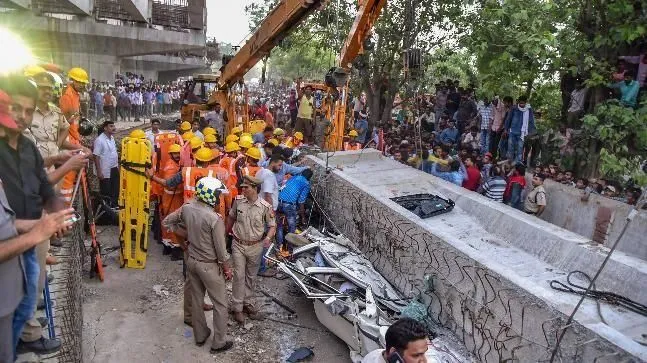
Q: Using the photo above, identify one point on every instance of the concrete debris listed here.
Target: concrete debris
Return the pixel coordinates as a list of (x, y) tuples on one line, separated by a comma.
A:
[(160, 291)]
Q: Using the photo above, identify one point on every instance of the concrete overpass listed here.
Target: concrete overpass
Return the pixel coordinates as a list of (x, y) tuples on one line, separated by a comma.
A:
[(110, 36)]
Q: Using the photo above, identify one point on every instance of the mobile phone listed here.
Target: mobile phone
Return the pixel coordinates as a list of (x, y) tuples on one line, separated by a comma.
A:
[(75, 218), (395, 357)]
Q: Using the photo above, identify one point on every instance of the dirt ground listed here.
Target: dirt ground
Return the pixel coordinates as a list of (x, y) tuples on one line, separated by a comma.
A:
[(136, 316)]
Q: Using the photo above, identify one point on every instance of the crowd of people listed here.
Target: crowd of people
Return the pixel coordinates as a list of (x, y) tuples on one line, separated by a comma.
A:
[(131, 99), (483, 145), (40, 157)]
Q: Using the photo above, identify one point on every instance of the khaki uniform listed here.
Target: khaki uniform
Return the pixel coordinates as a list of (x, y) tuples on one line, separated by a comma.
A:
[(251, 221), (206, 252), (534, 199)]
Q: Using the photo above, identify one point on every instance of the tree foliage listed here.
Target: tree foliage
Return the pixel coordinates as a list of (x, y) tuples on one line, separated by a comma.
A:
[(506, 47)]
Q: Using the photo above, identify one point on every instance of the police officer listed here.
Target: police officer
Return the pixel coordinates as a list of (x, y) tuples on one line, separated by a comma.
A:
[(207, 261), (252, 224)]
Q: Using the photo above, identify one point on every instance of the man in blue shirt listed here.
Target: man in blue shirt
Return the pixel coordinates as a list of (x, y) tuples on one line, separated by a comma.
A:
[(456, 176), (285, 168), (449, 135), (628, 89), (294, 194)]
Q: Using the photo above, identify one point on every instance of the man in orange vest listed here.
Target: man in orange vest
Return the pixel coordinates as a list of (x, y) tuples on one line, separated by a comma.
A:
[(70, 105), (253, 156), (189, 176), (172, 198), (352, 143)]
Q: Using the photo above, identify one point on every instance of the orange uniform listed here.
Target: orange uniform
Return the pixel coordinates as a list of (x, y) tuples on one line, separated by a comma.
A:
[(354, 146), (161, 157), (70, 105), (172, 199), (251, 170), (190, 177), (228, 163)]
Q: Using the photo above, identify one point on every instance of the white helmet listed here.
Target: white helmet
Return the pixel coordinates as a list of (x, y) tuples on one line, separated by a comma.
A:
[(208, 190)]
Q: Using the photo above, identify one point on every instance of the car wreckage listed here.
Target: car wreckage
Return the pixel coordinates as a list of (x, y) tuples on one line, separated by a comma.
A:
[(352, 299)]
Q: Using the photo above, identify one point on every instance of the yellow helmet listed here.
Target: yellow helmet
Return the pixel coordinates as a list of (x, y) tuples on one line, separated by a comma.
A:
[(231, 147), (231, 138), (237, 130), (195, 142), (278, 131), (33, 70), (245, 134), (298, 135), (137, 134), (175, 148), (247, 137), (203, 154), (78, 74), (353, 133), (253, 153), (187, 136), (209, 131), (244, 143), (274, 142), (185, 126), (210, 138)]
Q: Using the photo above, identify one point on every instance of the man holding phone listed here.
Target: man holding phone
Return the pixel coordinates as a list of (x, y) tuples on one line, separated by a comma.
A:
[(406, 342)]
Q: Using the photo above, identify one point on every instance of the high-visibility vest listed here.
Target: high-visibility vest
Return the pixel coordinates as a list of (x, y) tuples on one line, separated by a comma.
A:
[(190, 176), (251, 170), (161, 157), (355, 146)]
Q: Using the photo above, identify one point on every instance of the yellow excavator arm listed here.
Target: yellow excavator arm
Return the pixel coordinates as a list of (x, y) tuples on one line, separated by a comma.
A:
[(367, 14), (277, 25)]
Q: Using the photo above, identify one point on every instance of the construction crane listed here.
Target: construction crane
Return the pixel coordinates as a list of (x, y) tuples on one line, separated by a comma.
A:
[(277, 25)]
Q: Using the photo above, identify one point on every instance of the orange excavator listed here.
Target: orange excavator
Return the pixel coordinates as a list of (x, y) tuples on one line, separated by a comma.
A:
[(336, 81), (230, 92)]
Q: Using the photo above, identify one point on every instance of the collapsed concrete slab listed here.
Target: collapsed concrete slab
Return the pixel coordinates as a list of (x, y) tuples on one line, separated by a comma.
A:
[(490, 265)]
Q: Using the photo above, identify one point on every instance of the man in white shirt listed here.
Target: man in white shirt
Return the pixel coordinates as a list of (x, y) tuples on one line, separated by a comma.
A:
[(270, 186), (215, 119), (106, 162), (154, 131), (406, 342)]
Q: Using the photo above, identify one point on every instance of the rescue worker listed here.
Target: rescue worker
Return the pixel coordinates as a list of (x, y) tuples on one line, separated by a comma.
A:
[(188, 176), (279, 135), (237, 131), (172, 198), (228, 162), (70, 106), (211, 142), (210, 131), (207, 260), (295, 141), (252, 225), (253, 156), (185, 126), (352, 143)]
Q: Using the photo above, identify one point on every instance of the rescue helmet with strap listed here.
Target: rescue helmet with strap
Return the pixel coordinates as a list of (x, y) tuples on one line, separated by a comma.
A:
[(204, 154), (185, 126), (195, 142), (298, 135), (78, 74), (210, 138), (253, 153), (231, 147), (209, 131), (187, 136), (245, 144), (137, 134), (353, 133), (208, 190), (231, 138), (175, 148)]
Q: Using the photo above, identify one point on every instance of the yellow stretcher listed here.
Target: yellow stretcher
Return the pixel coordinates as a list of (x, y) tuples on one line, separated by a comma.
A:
[(134, 200)]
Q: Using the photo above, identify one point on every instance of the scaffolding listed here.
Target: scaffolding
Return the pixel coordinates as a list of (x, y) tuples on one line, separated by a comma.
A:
[(171, 13), (111, 9)]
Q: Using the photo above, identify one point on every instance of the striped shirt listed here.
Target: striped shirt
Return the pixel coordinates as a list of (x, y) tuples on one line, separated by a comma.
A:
[(494, 188)]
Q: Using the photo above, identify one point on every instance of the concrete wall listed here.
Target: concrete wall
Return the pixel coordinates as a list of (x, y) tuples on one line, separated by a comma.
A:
[(490, 292), (599, 218)]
